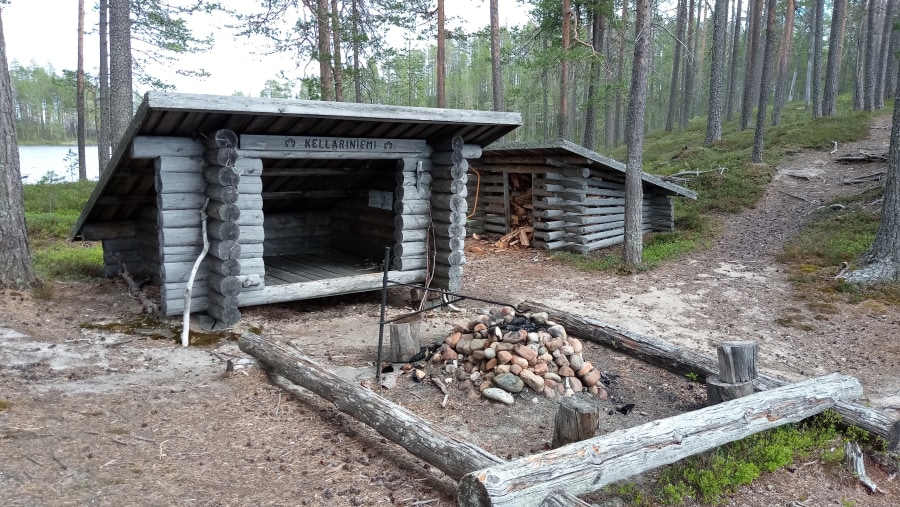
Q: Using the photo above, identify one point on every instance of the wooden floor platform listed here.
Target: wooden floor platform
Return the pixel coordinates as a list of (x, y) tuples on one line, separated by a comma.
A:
[(284, 269)]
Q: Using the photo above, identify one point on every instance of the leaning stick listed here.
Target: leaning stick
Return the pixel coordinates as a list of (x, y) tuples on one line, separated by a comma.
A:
[(186, 320)]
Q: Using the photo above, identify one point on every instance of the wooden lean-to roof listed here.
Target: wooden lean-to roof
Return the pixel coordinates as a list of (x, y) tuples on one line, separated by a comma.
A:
[(127, 185), (550, 156)]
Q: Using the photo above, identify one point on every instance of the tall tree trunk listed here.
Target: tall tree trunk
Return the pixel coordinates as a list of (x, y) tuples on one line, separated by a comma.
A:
[(764, 84), (121, 100), (859, 81), (104, 144), (563, 117), (689, 65), (545, 93), (817, 61), (735, 54), (716, 72), (869, 63), (698, 65), (338, 62), (326, 74), (609, 120), (882, 261), (833, 67), (441, 65), (496, 74), (891, 72), (357, 73), (883, 54), (15, 261), (753, 20), (784, 63), (79, 95), (811, 51), (676, 64), (634, 136), (620, 72), (590, 120)]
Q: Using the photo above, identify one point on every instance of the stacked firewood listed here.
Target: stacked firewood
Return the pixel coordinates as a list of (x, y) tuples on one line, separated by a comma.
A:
[(501, 352)]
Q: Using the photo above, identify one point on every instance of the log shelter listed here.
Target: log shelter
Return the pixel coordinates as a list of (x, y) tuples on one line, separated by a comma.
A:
[(301, 197), (573, 197)]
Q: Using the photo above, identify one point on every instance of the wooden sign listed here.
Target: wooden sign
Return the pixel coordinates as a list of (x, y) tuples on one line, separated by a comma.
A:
[(331, 147)]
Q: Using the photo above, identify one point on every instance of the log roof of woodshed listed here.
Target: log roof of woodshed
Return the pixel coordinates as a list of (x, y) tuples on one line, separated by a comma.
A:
[(128, 185), (559, 153)]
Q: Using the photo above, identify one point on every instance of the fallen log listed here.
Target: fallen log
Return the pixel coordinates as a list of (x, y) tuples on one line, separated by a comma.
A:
[(683, 361), (587, 466), (424, 440)]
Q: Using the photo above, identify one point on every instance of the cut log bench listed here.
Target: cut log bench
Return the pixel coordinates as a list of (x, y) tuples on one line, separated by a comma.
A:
[(553, 478)]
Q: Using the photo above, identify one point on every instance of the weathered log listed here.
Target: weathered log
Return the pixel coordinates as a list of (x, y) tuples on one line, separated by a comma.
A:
[(421, 438), (228, 316), (221, 156), (683, 361), (214, 298), (222, 138), (223, 212), (176, 183), (576, 420), (159, 146), (403, 345), (104, 230), (563, 499), (223, 231), (227, 195), (226, 285), (737, 361), (586, 466), (226, 176), (411, 222), (413, 179), (409, 263), (410, 235), (412, 207), (451, 172), (452, 202), (413, 249), (451, 186), (229, 267), (718, 391), (225, 249)]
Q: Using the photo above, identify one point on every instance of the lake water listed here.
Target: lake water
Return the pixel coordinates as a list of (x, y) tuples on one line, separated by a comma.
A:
[(37, 161)]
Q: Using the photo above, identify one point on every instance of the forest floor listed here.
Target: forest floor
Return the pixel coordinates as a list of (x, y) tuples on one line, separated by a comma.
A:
[(100, 406)]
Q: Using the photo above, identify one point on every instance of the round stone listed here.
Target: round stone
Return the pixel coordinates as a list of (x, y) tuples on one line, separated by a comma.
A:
[(509, 382), (496, 394)]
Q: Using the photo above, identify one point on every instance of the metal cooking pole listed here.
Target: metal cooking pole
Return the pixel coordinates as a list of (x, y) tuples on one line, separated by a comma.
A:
[(384, 287)]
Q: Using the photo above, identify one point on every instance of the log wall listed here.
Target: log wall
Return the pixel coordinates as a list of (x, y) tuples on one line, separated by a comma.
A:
[(412, 213), (448, 210)]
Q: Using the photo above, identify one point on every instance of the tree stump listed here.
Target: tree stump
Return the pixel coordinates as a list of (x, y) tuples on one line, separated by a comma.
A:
[(403, 345), (737, 370), (576, 419)]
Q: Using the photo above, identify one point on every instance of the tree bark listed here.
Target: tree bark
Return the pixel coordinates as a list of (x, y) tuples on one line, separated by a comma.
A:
[(587, 466), (79, 95), (687, 91), (563, 117), (634, 136), (870, 60), (735, 54), (817, 61), (859, 82), (835, 48), (751, 62), (103, 138), (758, 138), (676, 65), (716, 72), (596, 75), (496, 72), (891, 72), (357, 74), (326, 75), (427, 442), (338, 62), (784, 62), (441, 64), (620, 72), (883, 55), (15, 260), (121, 101)]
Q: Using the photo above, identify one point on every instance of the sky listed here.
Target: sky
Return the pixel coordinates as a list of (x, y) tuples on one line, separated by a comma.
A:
[(45, 32)]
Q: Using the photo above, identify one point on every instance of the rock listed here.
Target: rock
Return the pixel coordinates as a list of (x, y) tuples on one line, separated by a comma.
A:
[(450, 368), (544, 337), (528, 353), (494, 333), (493, 393), (545, 358), (509, 318), (489, 353), (540, 368), (521, 361), (542, 351), (499, 346), (464, 385), (562, 361), (533, 381), (552, 376), (533, 338), (448, 354), (576, 361), (567, 350), (436, 358), (576, 345), (551, 366), (491, 364), (585, 368), (474, 376), (507, 310), (501, 368), (592, 378), (515, 336), (484, 385), (462, 327), (509, 383), (569, 393), (554, 344), (477, 355), (557, 331), (477, 344), (453, 339), (464, 346), (479, 327), (550, 383), (461, 374), (602, 392), (515, 369), (472, 394), (539, 318), (504, 357), (575, 384), (468, 366), (565, 371)]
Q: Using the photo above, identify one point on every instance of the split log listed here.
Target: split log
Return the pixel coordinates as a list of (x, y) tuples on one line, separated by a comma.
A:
[(421, 438), (576, 420), (737, 361), (403, 344), (587, 466), (682, 361)]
